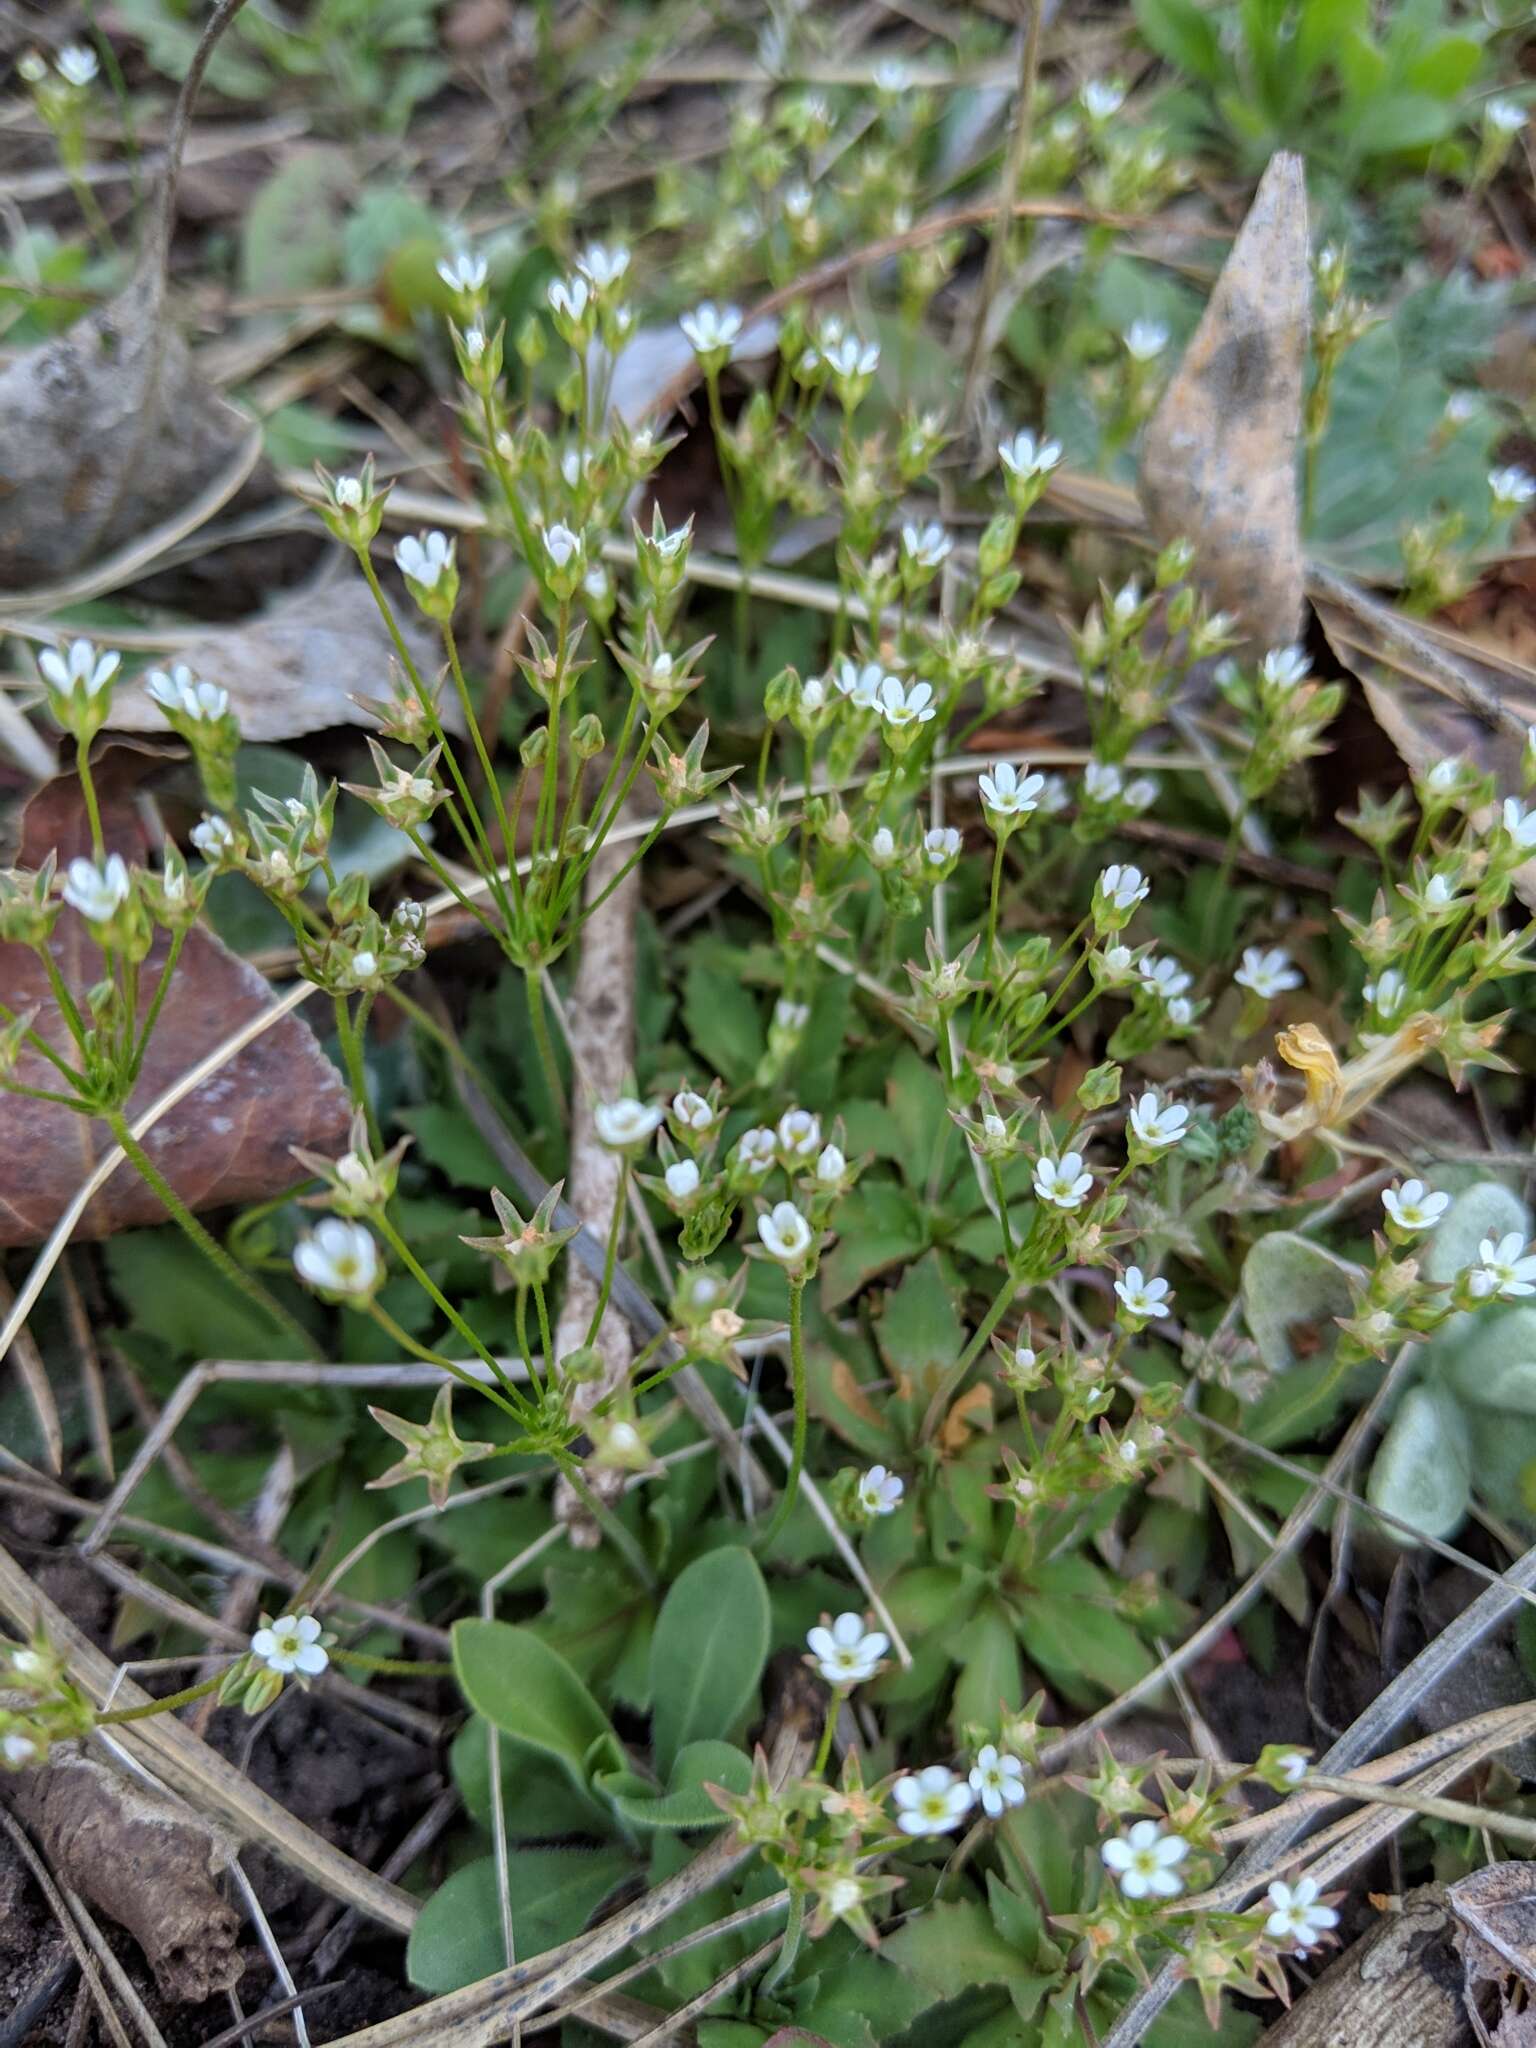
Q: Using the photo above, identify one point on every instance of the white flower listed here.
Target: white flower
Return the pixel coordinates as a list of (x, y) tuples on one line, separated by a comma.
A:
[(1292, 1766), (80, 668), (1439, 892), (95, 891), (1024, 456), (813, 694), (1145, 1861), (710, 327), (861, 686), (425, 558), (692, 1111), (847, 356), (213, 838), (338, 1257), (882, 846), (1143, 1297), (561, 545), (1413, 1207), (474, 343), (785, 1234), (464, 273), (1296, 1916), (890, 75), (1284, 667), (1024, 1357), (1055, 796), (1268, 973), (880, 1491), (601, 266), (1504, 117), (570, 297), (797, 201), (1101, 782), (348, 492), (926, 545), (931, 1801), (682, 1180), (910, 706), (1180, 1012), (997, 1780), (756, 1150), (1519, 823), (291, 1643), (1511, 487), (1125, 600), (1165, 978), (1145, 340), (1157, 1123), (625, 1122), (76, 64), (832, 1164), (1141, 794), (1443, 777), (847, 1653), (941, 843), (181, 691), (1386, 992), (18, 1750), (800, 1133), (1008, 794), (1062, 1182), (1123, 887), (1118, 963), (364, 965), (1508, 1274), (1102, 98), (789, 1015)]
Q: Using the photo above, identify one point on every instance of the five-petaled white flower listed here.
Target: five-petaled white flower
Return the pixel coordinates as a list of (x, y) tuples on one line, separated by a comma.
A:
[(1413, 1206), (1295, 1914), (831, 1165), (1519, 823), (692, 1111), (464, 273), (682, 1178), (1284, 667), (570, 297), (926, 545), (1386, 992), (1102, 98), (941, 843), (79, 668), (710, 327), (755, 1150), (289, 1644), (1062, 1182), (1141, 793), (601, 266), (847, 1653), (1007, 793), (95, 891), (348, 492), (788, 1015), (1165, 978), (625, 1122), (76, 65), (861, 686), (1024, 456), (1505, 1268), (1102, 782), (1156, 1123), (179, 690), (847, 356), (1145, 340), (1292, 1766), (800, 1133), (880, 1491), (997, 1779), (785, 1234), (1512, 487), (561, 545), (912, 705), (1143, 1297), (1267, 972), (213, 838), (1504, 117), (424, 557), (338, 1257), (1123, 887), (1145, 1861), (931, 1801)]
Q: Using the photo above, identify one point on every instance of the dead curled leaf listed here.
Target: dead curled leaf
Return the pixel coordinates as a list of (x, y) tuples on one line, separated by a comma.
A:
[(1218, 462), (297, 667), (228, 1141)]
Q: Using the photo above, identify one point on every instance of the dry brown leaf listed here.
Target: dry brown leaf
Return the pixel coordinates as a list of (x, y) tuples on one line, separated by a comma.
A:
[(228, 1141), (297, 667), (1218, 464)]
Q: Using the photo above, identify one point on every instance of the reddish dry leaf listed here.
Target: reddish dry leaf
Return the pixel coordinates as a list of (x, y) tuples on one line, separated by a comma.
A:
[(1218, 465), (225, 1142)]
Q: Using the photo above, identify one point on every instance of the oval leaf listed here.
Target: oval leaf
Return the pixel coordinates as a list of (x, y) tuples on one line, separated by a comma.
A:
[(525, 1688), (708, 1652), (685, 1803), (457, 1938), (1423, 1471)]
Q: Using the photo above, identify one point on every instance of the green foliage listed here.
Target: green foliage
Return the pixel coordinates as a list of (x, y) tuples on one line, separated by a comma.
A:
[(530, 1692), (553, 1893), (708, 1651)]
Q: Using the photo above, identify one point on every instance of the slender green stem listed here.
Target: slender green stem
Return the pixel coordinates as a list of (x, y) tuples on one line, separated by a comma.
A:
[(429, 1287), (797, 1378), (533, 985), (169, 1705), (824, 1747), (952, 1381), (611, 1256), (92, 808), (397, 1667), (607, 1521), (207, 1244), (452, 1366), (482, 752), (162, 990)]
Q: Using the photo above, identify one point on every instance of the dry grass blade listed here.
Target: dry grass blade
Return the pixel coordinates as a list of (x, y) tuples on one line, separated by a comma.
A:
[(33, 1374), (671, 2027)]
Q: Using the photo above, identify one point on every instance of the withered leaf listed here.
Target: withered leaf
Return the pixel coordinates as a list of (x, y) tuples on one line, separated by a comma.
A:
[(297, 667), (225, 1142), (1218, 463)]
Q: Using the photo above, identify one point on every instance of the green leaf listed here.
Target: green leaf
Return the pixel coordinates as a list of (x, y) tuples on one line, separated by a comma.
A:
[(708, 1652), (879, 1225), (1183, 34), (1490, 1359), (951, 1946), (1487, 1209), (1289, 1281), (528, 1690), (919, 1331), (447, 1139), (1423, 1471), (175, 1296), (990, 1678), (291, 238), (915, 1093), (722, 1018), (538, 1799), (685, 1804), (836, 1367), (457, 1938)]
